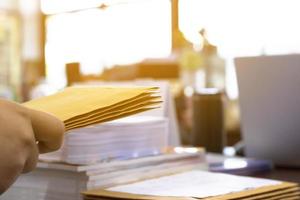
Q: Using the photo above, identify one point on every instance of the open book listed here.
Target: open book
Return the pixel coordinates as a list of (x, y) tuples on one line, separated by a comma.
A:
[(86, 105)]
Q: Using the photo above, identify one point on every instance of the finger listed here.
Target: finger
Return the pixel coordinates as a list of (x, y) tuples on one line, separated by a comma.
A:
[(48, 130)]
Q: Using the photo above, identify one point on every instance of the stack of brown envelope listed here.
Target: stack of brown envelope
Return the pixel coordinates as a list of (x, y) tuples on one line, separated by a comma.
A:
[(82, 106), (208, 187), (285, 190)]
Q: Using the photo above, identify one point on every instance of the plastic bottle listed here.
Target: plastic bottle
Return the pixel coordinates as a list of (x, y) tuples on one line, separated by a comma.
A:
[(214, 65)]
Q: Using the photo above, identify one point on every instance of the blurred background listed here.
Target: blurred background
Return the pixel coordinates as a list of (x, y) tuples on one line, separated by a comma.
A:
[(46, 45)]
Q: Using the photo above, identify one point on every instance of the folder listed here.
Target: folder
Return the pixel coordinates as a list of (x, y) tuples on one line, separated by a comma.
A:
[(82, 106)]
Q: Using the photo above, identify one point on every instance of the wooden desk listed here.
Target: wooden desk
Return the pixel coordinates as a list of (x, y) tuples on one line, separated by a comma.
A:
[(278, 173), (283, 174)]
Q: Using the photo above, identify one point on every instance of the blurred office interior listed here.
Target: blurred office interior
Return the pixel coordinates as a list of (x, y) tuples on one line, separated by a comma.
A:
[(46, 45)]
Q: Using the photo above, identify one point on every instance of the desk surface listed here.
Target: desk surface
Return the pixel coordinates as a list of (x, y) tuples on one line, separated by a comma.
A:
[(277, 173), (283, 174)]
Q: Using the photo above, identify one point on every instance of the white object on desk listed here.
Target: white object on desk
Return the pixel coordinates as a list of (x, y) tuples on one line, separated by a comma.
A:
[(270, 107), (130, 137)]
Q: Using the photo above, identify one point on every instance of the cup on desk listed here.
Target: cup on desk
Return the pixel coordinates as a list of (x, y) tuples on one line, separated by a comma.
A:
[(208, 120)]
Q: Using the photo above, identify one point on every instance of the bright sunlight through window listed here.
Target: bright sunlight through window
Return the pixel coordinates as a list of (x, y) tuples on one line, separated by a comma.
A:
[(122, 33), (243, 28)]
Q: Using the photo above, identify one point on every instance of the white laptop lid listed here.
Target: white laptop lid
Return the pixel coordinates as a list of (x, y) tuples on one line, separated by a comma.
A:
[(269, 92)]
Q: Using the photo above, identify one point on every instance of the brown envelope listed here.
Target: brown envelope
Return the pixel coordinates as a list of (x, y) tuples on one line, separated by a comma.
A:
[(86, 105), (116, 108), (110, 117), (285, 190)]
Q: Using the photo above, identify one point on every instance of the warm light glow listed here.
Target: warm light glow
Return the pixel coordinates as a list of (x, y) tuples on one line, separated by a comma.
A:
[(97, 38), (243, 28), (61, 6)]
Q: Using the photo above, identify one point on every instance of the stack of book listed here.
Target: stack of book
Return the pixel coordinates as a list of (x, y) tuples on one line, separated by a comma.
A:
[(58, 181), (194, 185)]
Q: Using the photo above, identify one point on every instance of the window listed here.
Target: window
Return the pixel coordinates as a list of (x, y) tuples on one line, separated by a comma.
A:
[(124, 32), (243, 28)]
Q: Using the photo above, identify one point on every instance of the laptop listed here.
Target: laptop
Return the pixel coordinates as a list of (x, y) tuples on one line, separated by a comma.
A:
[(269, 98)]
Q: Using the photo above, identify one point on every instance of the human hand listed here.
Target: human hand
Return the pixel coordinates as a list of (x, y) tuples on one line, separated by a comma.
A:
[(24, 133)]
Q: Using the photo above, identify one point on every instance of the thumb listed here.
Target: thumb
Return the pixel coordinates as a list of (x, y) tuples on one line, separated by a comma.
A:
[(48, 130)]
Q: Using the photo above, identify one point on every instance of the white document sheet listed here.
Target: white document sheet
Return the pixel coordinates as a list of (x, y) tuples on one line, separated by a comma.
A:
[(199, 184)]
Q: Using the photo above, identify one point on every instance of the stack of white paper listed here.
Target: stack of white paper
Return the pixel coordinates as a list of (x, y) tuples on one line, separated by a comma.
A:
[(53, 181), (129, 137)]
